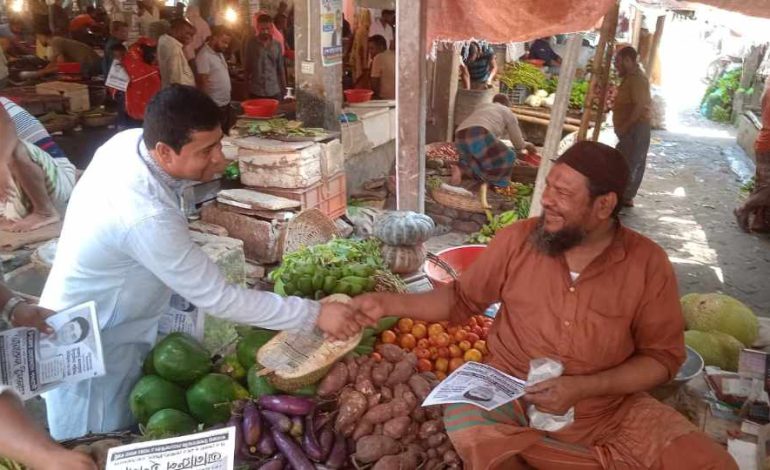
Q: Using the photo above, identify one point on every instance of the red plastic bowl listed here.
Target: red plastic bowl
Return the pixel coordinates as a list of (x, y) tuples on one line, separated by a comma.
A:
[(358, 95), (459, 258), (536, 62), (260, 107), (68, 67)]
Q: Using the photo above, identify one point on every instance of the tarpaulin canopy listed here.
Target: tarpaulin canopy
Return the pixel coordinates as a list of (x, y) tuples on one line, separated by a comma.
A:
[(511, 21), (759, 8)]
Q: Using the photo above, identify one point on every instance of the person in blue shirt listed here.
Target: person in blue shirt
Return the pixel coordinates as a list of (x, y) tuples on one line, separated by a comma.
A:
[(479, 66), (541, 49)]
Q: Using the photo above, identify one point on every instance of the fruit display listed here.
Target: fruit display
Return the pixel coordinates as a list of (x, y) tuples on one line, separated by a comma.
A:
[(440, 347), (378, 399), (340, 266)]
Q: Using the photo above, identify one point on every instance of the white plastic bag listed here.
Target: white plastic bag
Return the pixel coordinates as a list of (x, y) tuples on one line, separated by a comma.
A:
[(541, 370)]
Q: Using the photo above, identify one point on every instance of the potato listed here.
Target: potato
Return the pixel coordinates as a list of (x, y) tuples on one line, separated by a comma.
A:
[(429, 428), (364, 428), (352, 366), (352, 407), (435, 440), (401, 372), (380, 413), (380, 372), (386, 393), (392, 353), (370, 449), (396, 427), (420, 387), (334, 380), (411, 435), (451, 457)]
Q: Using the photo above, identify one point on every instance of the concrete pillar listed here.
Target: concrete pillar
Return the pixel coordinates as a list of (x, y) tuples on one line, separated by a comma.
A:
[(319, 87), (410, 96), (443, 90)]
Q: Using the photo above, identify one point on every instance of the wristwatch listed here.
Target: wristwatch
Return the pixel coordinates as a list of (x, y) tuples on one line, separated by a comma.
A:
[(7, 312)]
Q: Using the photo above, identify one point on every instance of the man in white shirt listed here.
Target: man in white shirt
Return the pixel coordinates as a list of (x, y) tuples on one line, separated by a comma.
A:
[(125, 244), (174, 67), (383, 26), (213, 74)]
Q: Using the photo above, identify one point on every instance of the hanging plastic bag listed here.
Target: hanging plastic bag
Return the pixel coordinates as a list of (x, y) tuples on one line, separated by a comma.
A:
[(541, 370)]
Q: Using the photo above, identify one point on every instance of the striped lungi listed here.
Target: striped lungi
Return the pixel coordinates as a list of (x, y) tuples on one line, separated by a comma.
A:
[(486, 157)]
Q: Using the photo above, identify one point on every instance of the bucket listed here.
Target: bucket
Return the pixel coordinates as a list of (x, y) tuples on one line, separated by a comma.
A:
[(467, 101), (458, 258)]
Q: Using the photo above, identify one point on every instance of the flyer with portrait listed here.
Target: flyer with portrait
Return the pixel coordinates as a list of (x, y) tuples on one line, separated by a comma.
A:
[(33, 363)]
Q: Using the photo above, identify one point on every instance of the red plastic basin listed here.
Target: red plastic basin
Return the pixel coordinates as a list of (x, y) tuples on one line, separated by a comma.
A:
[(459, 258), (536, 62), (68, 67), (260, 107), (358, 95)]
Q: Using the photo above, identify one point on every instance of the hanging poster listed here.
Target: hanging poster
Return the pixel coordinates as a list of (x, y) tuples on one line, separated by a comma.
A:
[(331, 32)]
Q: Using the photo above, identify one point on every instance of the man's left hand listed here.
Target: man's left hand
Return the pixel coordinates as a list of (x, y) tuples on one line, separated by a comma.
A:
[(31, 316), (555, 396), (338, 321)]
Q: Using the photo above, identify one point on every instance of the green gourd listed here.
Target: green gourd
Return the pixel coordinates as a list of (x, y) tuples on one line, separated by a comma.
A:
[(404, 228)]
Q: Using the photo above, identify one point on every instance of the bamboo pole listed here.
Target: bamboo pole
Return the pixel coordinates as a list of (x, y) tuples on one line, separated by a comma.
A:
[(595, 67), (542, 114), (555, 126), (606, 68), (545, 122)]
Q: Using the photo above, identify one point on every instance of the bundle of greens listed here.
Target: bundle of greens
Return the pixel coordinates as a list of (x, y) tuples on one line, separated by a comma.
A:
[(494, 225), (522, 73), (281, 127), (340, 266)]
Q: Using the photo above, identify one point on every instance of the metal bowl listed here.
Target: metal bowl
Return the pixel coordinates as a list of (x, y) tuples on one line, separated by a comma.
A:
[(693, 365)]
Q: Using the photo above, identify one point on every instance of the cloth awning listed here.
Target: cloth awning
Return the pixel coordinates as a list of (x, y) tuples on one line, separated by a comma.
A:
[(759, 8), (508, 21)]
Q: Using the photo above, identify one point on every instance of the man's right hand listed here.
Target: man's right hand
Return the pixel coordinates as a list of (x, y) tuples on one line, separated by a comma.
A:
[(370, 307), (63, 459), (338, 321)]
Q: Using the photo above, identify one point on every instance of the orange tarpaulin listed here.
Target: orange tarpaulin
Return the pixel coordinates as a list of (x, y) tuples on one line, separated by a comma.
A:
[(511, 21), (760, 8)]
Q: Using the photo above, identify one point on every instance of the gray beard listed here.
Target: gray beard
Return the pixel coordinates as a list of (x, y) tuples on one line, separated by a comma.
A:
[(556, 243)]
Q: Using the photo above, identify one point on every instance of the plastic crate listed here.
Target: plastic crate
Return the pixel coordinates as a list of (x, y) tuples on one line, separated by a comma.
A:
[(517, 95), (328, 195)]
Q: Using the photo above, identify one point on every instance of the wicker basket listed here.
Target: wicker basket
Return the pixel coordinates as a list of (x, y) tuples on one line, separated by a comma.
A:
[(310, 227), (59, 122), (457, 201), (100, 120)]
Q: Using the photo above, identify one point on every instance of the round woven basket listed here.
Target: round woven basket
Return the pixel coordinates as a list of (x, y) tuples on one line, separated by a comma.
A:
[(60, 123), (308, 228), (457, 201), (100, 120)]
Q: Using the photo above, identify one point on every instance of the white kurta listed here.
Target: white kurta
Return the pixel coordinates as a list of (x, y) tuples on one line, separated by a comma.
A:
[(125, 244)]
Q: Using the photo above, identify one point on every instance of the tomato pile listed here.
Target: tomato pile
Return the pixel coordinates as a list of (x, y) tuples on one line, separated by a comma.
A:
[(441, 347)]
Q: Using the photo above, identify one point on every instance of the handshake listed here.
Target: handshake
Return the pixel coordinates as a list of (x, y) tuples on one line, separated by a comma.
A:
[(340, 321)]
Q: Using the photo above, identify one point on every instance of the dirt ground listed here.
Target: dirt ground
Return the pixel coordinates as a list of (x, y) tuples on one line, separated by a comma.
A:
[(692, 183)]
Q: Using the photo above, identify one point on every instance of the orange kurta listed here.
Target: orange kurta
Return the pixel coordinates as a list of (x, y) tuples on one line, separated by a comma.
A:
[(625, 303)]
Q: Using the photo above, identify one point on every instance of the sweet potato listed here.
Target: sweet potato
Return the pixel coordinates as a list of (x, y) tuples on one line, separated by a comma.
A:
[(372, 448), (429, 428), (381, 372), (352, 407), (364, 428), (386, 393), (352, 365), (435, 440), (401, 372), (431, 378), (445, 447), (380, 413), (434, 412), (378, 430), (411, 358), (433, 464), (413, 456), (432, 453), (451, 457), (418, 414), (401, 407), (410, 399), (373, 400), (420, 387), (396, 427), (392, 353), (411, 434), (402, 461), (399, 390), (364, 379), (334, 380)]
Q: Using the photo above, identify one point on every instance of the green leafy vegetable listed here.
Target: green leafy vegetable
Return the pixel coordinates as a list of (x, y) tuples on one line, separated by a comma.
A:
[(522, 73)]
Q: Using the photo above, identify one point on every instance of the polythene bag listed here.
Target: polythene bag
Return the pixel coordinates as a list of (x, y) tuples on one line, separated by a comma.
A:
[(542, 369)]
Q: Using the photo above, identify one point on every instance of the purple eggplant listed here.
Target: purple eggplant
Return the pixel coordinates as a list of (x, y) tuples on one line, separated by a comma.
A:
[(237, 423), (310, 443), (293, 452), (266, 444), (326, 440), (287, 404), (276, 463), (252, 424), (339, 453), (320, 420), (297, 427), (277, 420)]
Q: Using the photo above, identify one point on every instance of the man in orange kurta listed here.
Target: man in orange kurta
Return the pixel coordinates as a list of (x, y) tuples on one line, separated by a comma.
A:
[(575, 285)]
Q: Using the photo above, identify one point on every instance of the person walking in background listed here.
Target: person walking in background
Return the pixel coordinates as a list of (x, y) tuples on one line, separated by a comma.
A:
[(754, 214), (631, 118), (118, 36), (174, 67), (263, 62), (383, 72), (213, 75)]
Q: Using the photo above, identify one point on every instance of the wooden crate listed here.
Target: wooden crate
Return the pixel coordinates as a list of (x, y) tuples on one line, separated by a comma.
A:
[(329, 195), (76, 92)]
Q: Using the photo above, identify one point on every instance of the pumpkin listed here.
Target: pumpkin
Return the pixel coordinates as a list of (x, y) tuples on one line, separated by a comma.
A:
[(403, 228), (404, 259)]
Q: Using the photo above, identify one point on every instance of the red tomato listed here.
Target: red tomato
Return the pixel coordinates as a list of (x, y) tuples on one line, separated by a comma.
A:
[(443, 352), (424, 365), (472, 337), (423, 343), (422, 353), (408, 342)]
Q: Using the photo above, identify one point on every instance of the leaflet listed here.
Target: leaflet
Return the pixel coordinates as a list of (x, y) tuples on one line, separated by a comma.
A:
[(32, 363), (477, 384)]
